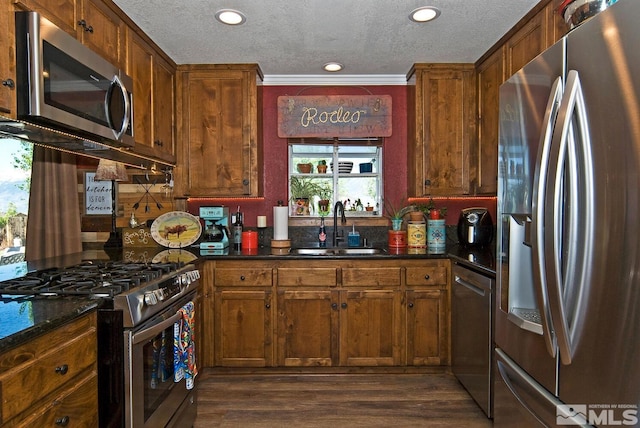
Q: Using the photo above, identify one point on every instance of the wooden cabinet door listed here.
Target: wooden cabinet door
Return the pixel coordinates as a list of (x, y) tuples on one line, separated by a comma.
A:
[(526, 44), (426, 327), (443, 129), (370, 328), (490, 77), (140, 69), (243, 332), (163, 107), (220, 133), (7, 60), (102, 32), (154, 99), (308, 322)]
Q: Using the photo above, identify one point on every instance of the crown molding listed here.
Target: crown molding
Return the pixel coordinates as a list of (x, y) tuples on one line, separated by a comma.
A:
[(334, 80)]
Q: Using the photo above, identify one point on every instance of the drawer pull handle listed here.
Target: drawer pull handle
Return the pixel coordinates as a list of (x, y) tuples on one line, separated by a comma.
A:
[(63, 421), (62, 370), (241, 277), (427, 277)]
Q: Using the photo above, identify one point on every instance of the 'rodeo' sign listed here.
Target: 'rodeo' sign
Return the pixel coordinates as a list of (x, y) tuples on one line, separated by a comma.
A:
[(351, 116)]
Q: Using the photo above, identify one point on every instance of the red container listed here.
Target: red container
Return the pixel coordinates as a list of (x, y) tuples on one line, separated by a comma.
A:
[(397, 238), (249, 239)]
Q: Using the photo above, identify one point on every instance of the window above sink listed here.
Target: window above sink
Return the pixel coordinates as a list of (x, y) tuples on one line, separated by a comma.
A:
[(336, 170)]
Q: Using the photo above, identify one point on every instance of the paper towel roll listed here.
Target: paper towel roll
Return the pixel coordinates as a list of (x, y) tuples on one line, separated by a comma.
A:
[(280, 223)]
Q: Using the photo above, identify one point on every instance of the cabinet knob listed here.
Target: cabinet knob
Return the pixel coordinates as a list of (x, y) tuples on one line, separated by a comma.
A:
[(427, 277), (241, 277), (9, 83), (89, 29), (268, 306), (344, 306), (62, 370), (158, 143), (410, 304), (245, 182), (63, 421), (334, 306)]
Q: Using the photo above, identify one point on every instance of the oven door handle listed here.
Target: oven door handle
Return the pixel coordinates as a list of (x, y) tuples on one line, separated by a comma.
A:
[(156, 329)]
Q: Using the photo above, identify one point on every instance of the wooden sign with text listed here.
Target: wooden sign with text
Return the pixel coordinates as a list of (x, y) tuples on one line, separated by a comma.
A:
[(328, 116)]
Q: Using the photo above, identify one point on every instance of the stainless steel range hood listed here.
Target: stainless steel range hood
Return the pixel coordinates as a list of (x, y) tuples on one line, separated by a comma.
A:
[(59, 140)]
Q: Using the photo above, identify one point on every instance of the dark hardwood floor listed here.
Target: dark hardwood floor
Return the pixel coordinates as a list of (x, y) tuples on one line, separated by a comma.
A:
[(331, 399)]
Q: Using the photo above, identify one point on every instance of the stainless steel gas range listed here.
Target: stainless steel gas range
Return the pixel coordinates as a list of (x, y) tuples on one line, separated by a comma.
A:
[(146, 366)]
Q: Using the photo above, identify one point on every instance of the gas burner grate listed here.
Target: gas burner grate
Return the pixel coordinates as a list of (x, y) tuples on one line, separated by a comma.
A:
[(95, 279)]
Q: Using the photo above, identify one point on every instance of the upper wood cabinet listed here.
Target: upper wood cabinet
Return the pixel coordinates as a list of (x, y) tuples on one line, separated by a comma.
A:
[(441, 128), (154, 102), (220, 107), (92, 22), (7, 60), (490, 77), (536, 32)]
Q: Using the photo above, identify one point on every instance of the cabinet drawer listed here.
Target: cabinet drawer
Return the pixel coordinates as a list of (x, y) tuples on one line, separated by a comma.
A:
[(313, 277), (257, 277), (367, 277), (428, 275), (76, 406), (30, 382)]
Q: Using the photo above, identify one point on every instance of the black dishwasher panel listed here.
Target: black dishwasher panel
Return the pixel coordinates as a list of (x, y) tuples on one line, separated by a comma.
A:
[(472, 304)]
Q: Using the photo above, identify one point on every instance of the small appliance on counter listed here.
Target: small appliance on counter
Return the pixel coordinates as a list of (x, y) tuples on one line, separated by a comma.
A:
[(216, 228), (475, 227)]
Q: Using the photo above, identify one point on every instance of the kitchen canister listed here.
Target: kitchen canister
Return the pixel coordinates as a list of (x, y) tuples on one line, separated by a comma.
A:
[(416, 234), (397, 238), (436, 236)]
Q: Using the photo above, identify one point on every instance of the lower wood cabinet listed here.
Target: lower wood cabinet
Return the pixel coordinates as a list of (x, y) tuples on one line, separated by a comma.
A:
[(308, 321), (305, 313), (244, 333), (52, 380)]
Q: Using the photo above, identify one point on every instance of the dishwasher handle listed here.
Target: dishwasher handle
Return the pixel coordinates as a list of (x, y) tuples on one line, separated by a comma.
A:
[(470, 286)]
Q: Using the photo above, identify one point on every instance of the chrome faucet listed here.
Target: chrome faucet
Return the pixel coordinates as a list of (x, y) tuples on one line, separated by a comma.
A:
[(336, 238)]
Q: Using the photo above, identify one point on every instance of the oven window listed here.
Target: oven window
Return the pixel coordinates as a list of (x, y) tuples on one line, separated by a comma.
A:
[(158, 371)]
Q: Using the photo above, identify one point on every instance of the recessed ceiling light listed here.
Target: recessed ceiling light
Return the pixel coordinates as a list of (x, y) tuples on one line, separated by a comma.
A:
[(424, 14), (333, 66), (230, 17)]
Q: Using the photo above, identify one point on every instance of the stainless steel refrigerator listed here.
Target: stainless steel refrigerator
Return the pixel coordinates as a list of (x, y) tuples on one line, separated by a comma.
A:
[(568, 272)]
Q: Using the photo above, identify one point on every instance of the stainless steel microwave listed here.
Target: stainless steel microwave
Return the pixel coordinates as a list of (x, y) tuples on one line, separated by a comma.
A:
[(63, 85)]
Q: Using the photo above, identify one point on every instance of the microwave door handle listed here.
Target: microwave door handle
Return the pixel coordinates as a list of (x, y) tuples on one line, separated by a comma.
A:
[(537, 219), (127, 108), (581, 218), (156, 329)]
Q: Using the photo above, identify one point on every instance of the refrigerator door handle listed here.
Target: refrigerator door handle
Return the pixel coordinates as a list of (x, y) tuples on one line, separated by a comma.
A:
[(537, 218), (569, 204)]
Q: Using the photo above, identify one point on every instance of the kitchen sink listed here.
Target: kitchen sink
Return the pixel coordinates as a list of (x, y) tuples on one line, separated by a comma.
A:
[(353, 251)]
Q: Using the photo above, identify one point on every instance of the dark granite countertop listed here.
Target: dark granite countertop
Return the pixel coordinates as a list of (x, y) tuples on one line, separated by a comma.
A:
[(23, 318), (481, 259)]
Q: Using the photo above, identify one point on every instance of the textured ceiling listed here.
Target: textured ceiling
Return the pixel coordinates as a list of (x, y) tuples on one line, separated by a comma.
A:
[(296, 37)]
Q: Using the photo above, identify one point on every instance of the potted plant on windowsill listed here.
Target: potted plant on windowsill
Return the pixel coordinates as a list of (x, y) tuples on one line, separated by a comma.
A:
[(324, 193), (302, 191), (322, 166)]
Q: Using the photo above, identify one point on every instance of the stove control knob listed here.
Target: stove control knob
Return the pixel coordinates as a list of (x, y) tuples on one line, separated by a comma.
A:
[(159, 294), (150, 298)]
